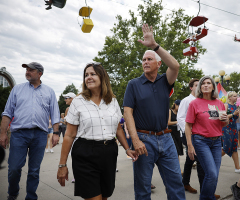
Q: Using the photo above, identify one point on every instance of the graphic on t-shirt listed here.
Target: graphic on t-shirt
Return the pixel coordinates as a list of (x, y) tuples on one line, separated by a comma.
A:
[(213, 113)]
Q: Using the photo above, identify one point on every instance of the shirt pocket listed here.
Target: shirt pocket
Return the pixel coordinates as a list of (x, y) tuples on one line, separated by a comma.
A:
[(44, 100)]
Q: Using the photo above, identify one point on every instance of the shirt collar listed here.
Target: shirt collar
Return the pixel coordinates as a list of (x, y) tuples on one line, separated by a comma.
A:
[(33, 85), (144, 79), (193, 97)]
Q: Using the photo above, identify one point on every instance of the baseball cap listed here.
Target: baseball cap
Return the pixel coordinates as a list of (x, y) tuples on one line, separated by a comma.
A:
[(34, 65), (70, 94), (177, 102)]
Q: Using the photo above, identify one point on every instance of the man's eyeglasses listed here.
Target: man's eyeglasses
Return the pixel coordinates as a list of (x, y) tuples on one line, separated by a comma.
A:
[(67, 98)]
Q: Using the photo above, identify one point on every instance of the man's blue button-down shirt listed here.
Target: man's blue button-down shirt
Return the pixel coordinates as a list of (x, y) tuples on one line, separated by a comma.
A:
[(31, 107), (149, 101)]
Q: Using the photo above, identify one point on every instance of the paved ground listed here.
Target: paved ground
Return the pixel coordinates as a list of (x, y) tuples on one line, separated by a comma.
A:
[(49, 188)]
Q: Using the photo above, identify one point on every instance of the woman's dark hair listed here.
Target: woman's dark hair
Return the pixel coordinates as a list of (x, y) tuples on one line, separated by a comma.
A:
[(173, 106), (106, 90)]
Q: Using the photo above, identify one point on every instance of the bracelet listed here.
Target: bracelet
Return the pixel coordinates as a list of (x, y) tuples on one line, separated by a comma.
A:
[(156, 48), (56, 133), (127, 150), (62, 165)]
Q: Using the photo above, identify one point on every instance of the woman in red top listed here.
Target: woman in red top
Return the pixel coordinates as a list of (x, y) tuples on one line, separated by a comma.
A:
[(203, 132)]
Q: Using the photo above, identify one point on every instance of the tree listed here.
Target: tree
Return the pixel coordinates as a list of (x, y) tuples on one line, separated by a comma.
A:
[(61, 102), (121, 55), (5, 92), (234, 83)]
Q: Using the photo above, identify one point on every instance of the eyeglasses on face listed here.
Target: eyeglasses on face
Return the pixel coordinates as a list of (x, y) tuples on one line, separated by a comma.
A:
[(67, 98)]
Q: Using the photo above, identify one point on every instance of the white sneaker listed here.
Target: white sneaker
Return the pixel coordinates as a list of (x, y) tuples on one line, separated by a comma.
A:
[(237, 170), (47, 150), (51, 151)]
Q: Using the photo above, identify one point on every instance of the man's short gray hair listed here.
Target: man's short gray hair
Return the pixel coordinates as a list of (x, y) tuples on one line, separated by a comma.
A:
[(157, 57), (199, 93)]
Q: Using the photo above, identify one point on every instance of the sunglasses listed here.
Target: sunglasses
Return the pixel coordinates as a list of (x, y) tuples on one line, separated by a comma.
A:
[(94, 64)]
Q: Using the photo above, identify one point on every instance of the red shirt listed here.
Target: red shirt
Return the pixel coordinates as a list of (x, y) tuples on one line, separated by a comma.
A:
[(204, 117)]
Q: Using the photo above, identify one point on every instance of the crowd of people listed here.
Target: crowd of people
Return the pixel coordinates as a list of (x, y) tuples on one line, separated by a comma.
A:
[(150, 132)]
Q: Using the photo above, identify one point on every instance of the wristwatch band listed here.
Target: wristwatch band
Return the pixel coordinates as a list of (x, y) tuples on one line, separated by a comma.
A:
[(156, 48), (57, 132), (60, 166)]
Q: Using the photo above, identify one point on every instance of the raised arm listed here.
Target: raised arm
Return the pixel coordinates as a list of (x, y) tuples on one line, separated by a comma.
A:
[(170, 61)]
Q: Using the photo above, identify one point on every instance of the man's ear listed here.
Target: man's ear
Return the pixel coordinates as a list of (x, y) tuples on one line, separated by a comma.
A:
[(159, 63)]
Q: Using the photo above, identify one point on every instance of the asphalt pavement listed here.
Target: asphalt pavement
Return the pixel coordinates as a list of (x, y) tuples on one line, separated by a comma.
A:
[(50, 189)]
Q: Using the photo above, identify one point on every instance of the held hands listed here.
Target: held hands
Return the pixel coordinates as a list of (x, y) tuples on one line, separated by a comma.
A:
[(149, 40), (191, 152), (139, 147), (62, 175), (132, 154), (3, 140)]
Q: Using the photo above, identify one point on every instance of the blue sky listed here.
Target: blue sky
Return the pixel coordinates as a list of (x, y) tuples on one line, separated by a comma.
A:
[(53, 38)]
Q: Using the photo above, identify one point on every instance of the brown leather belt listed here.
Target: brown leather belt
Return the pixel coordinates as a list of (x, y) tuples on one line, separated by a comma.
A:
[(155, 133)]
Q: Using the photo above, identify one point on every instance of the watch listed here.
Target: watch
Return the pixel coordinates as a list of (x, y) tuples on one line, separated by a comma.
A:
[(156, 48), (56, 133), (61, 165)]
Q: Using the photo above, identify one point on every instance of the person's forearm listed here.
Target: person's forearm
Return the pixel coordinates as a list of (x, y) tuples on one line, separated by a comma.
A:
[(121, 137), (66, 146), (4, 124), (167, 58), (188, 133), (172, 123), (56, 127), (130, 124)]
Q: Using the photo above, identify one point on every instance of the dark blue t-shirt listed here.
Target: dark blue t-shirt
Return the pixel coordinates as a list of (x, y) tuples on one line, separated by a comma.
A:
[(149, 101)]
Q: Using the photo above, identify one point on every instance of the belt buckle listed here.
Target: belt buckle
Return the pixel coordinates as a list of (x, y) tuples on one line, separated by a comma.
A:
[(154, 133), (106, 142)]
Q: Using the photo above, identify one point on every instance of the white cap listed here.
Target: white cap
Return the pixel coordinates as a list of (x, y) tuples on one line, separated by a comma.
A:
[(70, 94)]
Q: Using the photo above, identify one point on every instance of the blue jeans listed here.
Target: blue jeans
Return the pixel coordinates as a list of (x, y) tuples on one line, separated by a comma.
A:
[(23, 142), (209, 155), (162, 152)]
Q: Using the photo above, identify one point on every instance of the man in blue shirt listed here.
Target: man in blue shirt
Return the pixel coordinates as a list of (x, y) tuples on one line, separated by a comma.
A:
[(146, 109), (30, 104)]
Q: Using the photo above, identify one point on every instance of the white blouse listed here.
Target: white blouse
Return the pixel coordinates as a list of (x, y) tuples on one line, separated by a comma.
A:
[(95, 122)]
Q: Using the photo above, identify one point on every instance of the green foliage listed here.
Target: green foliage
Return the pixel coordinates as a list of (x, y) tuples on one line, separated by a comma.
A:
[(61, 102), (122, 54), (234, 82), (5, 92)]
